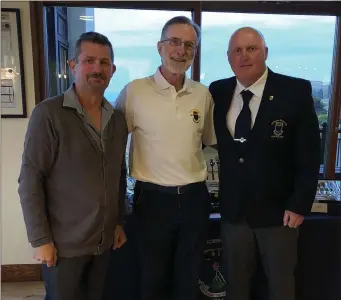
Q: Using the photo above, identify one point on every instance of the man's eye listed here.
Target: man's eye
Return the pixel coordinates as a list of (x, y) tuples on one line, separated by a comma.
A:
[(190, 45), (175, 42)]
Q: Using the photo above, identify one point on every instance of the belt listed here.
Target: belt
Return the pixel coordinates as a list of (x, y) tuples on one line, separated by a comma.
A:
[(173, 190)]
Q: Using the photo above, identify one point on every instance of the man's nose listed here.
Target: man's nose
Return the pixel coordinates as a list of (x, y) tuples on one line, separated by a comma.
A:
[(244, 54), (181, 50), (97, 67)]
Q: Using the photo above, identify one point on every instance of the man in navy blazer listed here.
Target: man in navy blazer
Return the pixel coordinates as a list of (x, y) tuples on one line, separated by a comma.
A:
[(269, 149)]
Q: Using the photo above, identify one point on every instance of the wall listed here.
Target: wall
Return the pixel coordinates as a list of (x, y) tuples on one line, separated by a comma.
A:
[(14, 244)]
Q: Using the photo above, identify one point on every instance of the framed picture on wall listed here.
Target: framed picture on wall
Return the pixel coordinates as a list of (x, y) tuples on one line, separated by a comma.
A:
[(13, 96)]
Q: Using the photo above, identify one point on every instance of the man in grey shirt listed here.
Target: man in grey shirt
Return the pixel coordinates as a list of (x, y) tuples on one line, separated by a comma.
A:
[(73, 178)]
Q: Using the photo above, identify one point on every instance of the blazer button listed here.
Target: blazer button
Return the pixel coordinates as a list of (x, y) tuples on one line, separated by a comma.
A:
[(241, 160)]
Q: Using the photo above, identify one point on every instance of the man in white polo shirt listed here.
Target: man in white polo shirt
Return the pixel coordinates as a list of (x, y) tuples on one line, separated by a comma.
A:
[(170, 117)]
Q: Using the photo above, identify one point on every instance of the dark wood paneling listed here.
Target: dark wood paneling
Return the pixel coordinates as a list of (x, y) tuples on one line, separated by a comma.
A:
[(196, 16), (334, 107), (20, 273), (299, 7), (169, 5), (38, 49), (275, 7)]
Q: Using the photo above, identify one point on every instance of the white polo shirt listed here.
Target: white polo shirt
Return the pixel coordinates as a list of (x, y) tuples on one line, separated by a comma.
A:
[(168, 129)]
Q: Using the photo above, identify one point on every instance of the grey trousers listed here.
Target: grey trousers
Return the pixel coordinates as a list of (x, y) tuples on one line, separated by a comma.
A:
[(77, 278), (278, 250)]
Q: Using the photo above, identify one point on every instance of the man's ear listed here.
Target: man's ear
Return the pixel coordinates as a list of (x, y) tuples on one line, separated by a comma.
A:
[(266, 53), (228, 57), (159, 47), (72, 65)]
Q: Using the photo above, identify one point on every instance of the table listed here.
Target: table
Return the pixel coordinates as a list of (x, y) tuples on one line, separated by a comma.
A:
[(318, 274)]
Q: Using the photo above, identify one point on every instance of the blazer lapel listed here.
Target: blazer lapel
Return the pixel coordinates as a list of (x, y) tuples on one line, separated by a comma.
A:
[(226, 99)]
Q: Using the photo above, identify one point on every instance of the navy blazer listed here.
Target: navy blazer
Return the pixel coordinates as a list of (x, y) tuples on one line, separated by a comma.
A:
[(277, 168)]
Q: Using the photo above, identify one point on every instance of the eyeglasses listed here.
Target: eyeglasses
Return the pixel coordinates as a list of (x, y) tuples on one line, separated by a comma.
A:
[(175, 42)]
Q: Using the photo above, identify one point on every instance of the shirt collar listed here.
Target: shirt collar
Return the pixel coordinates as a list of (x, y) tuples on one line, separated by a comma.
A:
[(71, 100), (163, 84), (257, 88)]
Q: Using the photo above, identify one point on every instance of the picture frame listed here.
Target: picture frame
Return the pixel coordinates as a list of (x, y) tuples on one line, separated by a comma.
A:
[(13, 92)]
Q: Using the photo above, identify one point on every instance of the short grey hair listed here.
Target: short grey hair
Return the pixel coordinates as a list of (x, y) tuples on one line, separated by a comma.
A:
[(181, 20), (93, 37)]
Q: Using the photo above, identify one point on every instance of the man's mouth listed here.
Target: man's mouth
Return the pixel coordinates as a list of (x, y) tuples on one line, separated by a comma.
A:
[(94, 79), (245, 66), (96, 76), (181, 60)]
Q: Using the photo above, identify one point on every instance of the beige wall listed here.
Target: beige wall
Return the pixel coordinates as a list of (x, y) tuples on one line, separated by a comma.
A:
[(15, 248)]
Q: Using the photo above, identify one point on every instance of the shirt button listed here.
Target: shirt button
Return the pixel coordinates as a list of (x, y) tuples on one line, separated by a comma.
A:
[(241, 160)]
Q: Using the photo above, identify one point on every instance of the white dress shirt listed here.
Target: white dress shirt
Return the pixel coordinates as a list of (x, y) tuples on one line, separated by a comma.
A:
[(237, 102)]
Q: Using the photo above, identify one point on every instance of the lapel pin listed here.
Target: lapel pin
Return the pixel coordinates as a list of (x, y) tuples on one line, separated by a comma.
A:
[(271, 97)]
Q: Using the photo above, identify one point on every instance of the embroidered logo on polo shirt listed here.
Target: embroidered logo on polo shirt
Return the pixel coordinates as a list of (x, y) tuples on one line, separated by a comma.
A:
[(195, 114)]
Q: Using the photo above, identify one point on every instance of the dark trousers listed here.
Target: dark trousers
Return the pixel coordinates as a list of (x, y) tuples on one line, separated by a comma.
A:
[(76, 278), (172, 230), (277, 247)]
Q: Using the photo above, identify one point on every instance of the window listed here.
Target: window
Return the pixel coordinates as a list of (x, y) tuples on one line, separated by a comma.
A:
[(300, 46), (133, 33)]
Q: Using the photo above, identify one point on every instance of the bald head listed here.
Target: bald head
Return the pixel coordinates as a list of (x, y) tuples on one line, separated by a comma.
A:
[(247, 53), (246, 33)]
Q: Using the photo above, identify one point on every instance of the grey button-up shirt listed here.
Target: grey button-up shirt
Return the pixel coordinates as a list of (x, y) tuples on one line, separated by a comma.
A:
[(71, 100)]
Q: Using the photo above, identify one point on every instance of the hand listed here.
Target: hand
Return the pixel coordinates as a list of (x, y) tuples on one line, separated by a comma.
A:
[(46, 254), (291, 219), (119, 237)]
